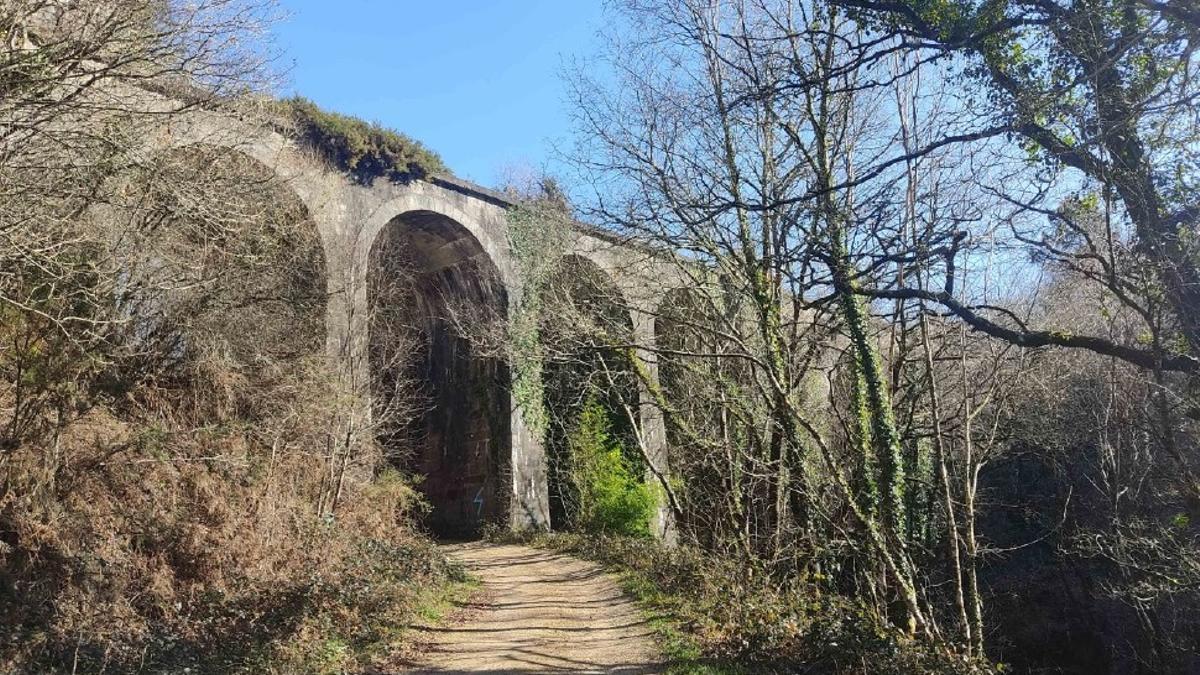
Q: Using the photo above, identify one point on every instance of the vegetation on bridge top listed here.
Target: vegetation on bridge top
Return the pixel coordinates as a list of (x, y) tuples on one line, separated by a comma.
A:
[(364, 150)]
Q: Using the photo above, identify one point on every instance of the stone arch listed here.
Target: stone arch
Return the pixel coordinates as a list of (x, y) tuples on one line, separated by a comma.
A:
[(680, 330), (322, 193), (419, 196), (440, 396), (181, 217), (675, 332), (309, 181), (586, 333)]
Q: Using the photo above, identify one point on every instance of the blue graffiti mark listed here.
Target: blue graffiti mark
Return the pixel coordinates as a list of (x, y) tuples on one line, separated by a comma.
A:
[(478, 501)]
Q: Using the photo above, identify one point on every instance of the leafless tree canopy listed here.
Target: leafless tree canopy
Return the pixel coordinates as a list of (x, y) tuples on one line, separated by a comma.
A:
[(936, 338)]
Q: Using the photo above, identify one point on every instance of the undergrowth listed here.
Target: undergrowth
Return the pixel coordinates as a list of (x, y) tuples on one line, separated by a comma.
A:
[(159, 544)]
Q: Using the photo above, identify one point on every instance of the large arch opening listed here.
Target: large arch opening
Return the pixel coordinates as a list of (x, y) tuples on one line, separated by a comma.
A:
[(683, 332), (440, 399), (219, 258), (588, 377), (721, 476)]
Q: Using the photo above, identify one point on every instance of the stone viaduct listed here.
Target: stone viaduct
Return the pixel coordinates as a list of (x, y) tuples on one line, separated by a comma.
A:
[(480, 465)]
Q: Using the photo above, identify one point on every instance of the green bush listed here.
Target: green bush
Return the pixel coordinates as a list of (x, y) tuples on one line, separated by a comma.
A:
[(362, 149), (613, 499)]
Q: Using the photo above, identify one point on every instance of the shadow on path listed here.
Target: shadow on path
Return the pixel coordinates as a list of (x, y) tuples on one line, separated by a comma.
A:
[(537, 612)]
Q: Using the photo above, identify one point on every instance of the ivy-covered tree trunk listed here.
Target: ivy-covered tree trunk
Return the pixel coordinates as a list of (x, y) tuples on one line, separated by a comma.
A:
[(884, 462)]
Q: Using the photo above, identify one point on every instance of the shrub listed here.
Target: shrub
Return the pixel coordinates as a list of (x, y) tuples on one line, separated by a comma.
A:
[(165, 534), (362, 149), (613, 499)]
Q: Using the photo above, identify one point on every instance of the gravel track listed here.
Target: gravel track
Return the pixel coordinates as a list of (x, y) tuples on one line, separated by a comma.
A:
[(537, 612)]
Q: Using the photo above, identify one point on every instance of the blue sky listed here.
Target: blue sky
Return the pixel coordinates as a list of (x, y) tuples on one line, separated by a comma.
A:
[(475, 80)]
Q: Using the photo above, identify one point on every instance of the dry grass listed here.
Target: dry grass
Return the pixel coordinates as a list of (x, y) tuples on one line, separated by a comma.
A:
[(182, 528)]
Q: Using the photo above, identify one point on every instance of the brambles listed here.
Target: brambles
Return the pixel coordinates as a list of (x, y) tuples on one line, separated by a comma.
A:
[(175, 478)]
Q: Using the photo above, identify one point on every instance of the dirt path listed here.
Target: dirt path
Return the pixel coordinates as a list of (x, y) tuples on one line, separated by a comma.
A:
[(538, 612)]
